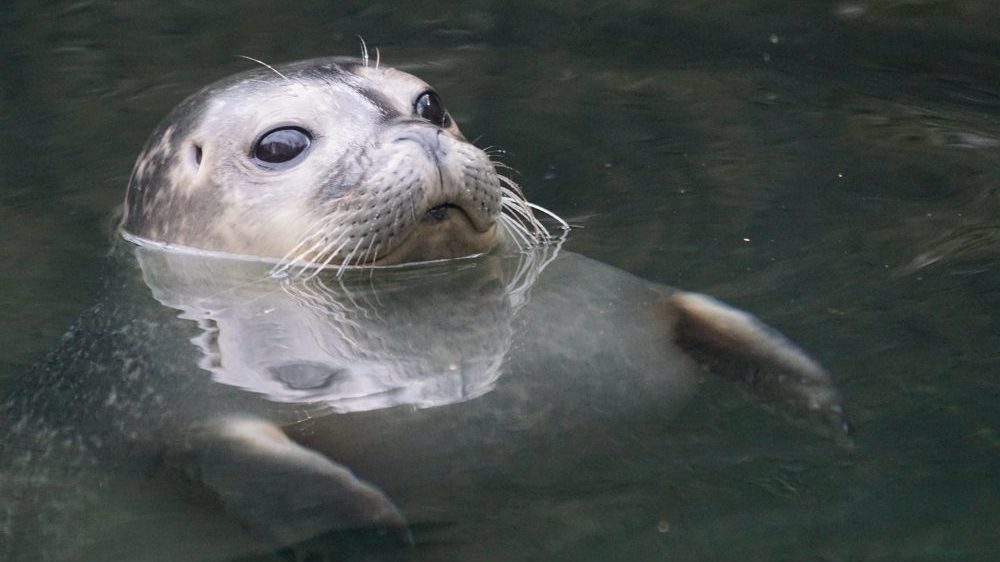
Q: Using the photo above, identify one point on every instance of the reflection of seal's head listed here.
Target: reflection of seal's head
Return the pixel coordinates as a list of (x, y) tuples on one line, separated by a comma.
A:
[(321, 161), (424, 336)]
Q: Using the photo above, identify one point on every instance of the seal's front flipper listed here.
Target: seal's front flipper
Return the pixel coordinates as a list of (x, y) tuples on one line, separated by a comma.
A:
[(737, 345), (293, 495)]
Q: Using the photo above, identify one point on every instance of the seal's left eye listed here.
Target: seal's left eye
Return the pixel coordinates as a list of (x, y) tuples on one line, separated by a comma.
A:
[(281, 145), (428, 106)]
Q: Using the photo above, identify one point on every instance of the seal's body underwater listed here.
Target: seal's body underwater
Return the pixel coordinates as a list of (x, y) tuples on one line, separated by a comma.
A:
[(215, 407)]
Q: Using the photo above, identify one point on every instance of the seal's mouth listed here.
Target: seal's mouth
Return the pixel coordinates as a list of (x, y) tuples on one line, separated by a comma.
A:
[(444, 231), (454, 212), (440, 212)]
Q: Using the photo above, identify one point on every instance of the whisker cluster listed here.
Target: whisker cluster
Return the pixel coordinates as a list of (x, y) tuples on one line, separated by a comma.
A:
[(323, 244), (518, 218), (331, 242)]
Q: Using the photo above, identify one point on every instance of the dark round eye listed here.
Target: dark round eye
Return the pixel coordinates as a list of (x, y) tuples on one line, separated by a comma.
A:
[(428, 106), (281, 145)]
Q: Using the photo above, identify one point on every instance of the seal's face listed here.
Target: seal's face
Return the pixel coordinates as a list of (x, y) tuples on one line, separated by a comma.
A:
[(322, 161)]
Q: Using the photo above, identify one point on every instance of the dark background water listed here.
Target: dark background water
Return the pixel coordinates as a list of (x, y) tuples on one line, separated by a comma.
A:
[(832, 166)]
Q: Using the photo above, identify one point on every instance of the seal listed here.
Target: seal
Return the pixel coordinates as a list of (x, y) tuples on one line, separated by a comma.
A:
[(326, 161), (258, 407)]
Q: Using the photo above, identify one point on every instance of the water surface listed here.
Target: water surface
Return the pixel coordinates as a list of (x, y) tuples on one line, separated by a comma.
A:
[(834, 167)]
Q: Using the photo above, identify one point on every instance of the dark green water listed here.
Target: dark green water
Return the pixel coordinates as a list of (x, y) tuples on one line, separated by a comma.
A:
[(834, 167)]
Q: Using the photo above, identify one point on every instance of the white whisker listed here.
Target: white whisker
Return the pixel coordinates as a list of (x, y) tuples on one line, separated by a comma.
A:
[(519, 233), (519, 211), (371, 259), (562, 224), (294, 256), (265, 65), (367, 256), (501, 165), (521, 219), (329, 258), (347, 260), (308, 258), (364, 51)]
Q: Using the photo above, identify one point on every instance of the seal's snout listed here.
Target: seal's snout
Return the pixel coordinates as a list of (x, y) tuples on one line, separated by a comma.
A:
[(449, 179), (427, 137)]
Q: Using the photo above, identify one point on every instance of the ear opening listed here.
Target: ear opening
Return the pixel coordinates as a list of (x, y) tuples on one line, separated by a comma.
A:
[(194, 156)]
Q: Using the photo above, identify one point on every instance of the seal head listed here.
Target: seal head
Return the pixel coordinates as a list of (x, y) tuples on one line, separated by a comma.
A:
[(325, 161)]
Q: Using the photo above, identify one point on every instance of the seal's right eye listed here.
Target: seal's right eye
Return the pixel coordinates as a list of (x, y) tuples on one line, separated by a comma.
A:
[(428, 106), (281, 145)]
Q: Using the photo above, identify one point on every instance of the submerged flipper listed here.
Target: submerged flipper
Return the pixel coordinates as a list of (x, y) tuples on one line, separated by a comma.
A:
[(293, 495), (737, 345)]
